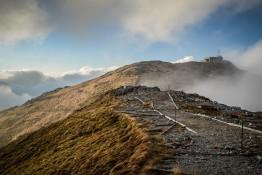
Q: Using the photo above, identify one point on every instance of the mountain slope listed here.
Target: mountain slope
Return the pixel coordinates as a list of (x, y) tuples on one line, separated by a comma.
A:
[(92, 129), (138, 130), (57, 105), (92, 140), (182, 75)]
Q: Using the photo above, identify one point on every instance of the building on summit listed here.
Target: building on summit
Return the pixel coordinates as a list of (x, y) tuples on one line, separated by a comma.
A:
[(214, 59)]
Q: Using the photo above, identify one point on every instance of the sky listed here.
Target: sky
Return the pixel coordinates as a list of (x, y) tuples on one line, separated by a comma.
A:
[(53, 43)]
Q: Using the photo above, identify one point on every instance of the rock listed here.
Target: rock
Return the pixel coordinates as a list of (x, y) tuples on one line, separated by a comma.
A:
[(123, 90), (228, 147), (259, 159)]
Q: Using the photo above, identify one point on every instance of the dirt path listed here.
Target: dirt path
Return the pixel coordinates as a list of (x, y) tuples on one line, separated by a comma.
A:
[(214, 148)]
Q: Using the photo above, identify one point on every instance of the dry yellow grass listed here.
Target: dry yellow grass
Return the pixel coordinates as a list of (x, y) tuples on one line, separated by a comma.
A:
[(58, 105), (92, 140)]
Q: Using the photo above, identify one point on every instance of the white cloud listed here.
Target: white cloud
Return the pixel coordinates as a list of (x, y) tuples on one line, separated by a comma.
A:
[(87, 70), (149, 20), (184, 60), (18, 86), (156, 20), (249, 59), (83, 74), (242, 90), (9, 98), (22, 20)]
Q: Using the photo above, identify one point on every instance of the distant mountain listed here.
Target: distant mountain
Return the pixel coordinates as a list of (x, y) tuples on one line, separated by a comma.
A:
[(59, 104)]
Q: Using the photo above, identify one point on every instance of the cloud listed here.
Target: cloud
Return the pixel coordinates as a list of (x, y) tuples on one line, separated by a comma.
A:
[(249, 59), (9, 98), (239, 6), (18, 86), (22, 20), (242, 90), (223, 83), (184, 60), (148, 20), (156, 20), (82, 74)]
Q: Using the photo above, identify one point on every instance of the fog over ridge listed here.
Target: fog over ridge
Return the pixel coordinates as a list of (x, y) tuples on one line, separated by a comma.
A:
[(232, 86)]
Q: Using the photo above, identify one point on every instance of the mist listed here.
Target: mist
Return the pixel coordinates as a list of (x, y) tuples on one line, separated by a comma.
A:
[(230, 87), (243, 91)]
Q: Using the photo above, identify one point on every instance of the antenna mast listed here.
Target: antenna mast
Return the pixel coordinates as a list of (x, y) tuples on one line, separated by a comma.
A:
[(218, 52)]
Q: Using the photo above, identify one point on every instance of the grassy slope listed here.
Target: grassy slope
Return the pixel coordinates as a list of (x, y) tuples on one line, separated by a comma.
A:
[(93, 140), (57, 105)]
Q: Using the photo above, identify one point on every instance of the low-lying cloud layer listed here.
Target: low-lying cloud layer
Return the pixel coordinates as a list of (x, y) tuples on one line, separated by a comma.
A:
[(184, 60), (9, 98), (243, 89), (249, 59), (149, 20), (18, 86)]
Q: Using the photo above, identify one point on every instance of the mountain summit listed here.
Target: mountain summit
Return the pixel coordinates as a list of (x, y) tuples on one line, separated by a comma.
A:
[(115, 125), (53, 106)]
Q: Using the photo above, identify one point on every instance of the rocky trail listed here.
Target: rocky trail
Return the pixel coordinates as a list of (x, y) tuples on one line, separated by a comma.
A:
[(197, 144)]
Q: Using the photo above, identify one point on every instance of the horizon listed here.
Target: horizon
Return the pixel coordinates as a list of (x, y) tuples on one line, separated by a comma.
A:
[(125, 87), (48, 44)]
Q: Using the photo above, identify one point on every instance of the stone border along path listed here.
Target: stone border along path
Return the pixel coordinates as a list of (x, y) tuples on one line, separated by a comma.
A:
[(212, 118), (213, 150), (169, 118), (230, 124)]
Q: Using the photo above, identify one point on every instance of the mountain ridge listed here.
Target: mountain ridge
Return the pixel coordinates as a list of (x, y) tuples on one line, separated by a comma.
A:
[(94, 139), (56, 105), (135, 130)]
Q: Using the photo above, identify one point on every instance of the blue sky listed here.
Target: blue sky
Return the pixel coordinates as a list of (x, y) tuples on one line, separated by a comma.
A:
[(53, 43), (60, 51)]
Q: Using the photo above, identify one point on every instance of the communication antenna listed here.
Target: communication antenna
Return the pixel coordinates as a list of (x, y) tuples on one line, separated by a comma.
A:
[(218, 52)]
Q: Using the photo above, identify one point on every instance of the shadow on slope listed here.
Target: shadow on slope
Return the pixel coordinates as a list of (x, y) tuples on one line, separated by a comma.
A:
[(92, 140)]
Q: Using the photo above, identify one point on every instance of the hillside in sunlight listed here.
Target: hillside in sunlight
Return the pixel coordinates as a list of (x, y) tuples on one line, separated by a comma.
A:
[(59, 104), (92, 140)]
